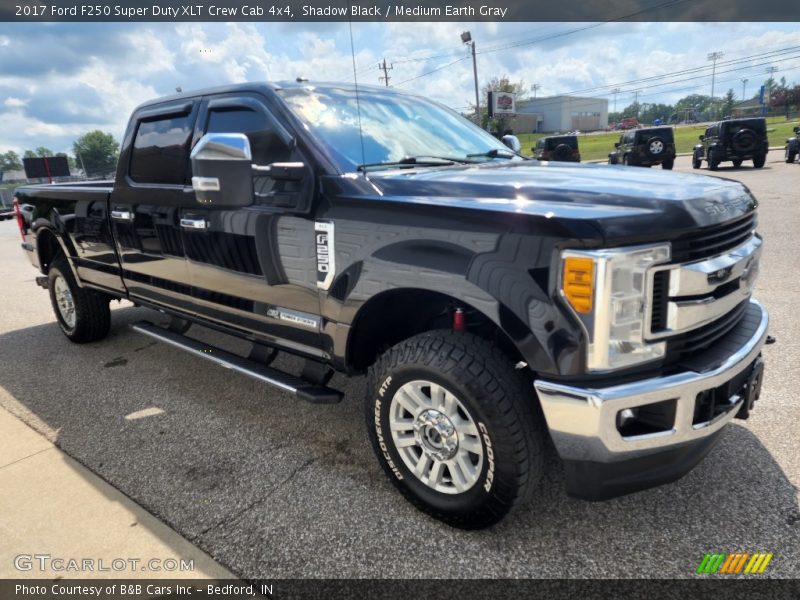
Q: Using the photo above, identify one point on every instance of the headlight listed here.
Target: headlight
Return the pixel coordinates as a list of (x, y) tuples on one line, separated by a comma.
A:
[(607, 290)]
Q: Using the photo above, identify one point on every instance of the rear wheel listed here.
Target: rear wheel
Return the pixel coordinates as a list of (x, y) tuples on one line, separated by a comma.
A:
[(697, 162), (82, 314), (789, 155), (668, 164), (759, 160), (454, 427), (713, 161), (737, 163)]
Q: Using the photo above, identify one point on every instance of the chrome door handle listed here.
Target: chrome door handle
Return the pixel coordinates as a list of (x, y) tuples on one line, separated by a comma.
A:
[(194, 223), (122, 215)]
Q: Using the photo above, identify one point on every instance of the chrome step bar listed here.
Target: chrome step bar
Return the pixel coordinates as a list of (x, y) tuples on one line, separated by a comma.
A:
[(287, 382)]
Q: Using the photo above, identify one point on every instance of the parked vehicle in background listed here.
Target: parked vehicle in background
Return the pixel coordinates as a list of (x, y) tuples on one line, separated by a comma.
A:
[(495, 303), (6, 212), (629, 123), (645, 147), (562, 148), (792, 146), (735, 140)]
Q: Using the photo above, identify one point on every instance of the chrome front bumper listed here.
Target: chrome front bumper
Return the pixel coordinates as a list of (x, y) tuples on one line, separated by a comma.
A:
[(583, 421)]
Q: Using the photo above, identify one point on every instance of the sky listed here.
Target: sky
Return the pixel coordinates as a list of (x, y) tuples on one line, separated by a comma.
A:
[(60, 80)]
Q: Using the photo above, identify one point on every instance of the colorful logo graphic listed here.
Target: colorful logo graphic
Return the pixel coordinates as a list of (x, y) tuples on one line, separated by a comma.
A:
[(738, 563)]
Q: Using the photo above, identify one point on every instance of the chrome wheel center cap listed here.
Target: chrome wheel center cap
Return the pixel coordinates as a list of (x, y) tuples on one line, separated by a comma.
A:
[(435, 434)]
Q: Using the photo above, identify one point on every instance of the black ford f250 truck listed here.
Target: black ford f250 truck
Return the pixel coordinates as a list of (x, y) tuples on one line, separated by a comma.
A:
[(492, 300)]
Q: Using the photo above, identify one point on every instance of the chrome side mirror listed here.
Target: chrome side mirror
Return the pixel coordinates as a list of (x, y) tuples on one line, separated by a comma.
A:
[(222, 170), (512, 142)]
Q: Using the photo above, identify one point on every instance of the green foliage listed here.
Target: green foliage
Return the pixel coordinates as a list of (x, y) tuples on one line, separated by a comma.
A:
[(97, 152), (10, 161)]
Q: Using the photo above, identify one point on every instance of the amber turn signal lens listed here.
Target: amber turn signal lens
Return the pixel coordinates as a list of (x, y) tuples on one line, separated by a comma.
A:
[(578, 284)]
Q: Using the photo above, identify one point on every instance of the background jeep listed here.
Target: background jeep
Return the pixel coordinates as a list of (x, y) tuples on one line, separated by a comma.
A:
[(558, 147), (735, 140), (792, 146), (645, 147)]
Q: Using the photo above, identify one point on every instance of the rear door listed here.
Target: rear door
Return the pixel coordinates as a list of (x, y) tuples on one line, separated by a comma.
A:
[(254, 268), (145, 206)]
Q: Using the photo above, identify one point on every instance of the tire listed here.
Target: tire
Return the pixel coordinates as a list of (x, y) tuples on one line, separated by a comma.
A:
[(737, 163), (744, 141), (490, 405), (655, 147), (668, 164), (789, 155), (83, 314), (713, 162), (562, 152), (697, 162), (759, 160), (625, 161)]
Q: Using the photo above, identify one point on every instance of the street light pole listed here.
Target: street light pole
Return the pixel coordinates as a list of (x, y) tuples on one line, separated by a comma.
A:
[(744, 87), (714, 57), (466, 38), (615, 91)]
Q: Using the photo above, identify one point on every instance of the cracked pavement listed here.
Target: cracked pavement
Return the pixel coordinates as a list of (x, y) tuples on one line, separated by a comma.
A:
[(273, 487)]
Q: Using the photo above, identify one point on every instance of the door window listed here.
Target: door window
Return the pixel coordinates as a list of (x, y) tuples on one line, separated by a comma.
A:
[(161, 150), (267, 147)]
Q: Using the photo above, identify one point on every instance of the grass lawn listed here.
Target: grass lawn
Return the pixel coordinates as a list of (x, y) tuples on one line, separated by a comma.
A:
[(594, 146)]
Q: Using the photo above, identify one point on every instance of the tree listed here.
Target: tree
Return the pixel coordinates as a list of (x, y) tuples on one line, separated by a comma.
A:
[(97, 152), (499, 125), (728, 102), (10, 161), (70, 160)]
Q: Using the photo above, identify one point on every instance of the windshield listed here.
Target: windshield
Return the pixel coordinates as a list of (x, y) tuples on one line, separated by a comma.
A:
[(395, 127)]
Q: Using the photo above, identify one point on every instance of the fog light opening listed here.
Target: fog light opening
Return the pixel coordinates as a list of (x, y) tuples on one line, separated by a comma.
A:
[(658, 417)]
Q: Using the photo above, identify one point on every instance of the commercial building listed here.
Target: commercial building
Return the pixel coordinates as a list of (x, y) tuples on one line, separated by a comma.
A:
[(560, 113)]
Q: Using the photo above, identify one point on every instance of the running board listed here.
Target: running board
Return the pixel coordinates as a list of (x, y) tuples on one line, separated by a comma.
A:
[(301, 388)]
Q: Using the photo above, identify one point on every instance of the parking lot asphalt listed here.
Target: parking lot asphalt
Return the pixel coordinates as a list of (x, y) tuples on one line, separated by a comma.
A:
[(274, 487)]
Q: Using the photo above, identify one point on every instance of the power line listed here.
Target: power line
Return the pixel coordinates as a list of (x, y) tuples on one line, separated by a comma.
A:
[(431, 72)]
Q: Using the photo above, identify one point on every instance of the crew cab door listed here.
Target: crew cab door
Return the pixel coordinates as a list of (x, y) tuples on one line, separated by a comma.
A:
[(144, 206), (254, 267)]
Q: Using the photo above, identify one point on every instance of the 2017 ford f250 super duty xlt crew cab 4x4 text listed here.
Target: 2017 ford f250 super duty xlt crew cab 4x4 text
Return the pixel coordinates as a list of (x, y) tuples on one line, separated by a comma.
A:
[(490, 299)]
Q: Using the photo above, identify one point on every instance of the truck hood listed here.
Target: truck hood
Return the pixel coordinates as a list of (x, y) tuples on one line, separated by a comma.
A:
[(619, 200)]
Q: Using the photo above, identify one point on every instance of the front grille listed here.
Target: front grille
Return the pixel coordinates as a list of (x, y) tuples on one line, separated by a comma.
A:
[(686, 345), (710, 241)]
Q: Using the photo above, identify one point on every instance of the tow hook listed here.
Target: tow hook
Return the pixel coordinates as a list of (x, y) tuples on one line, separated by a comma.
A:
[(752, 389)]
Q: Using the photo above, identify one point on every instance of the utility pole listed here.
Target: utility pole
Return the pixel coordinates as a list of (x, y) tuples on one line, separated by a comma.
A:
[(386, 68), (466, 38), (535, 87), (636, 101), (744, 87), (615, 91), (714, 57)]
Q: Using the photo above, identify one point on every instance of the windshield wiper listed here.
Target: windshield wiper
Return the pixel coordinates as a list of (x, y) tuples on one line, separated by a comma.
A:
[(494, 153), (418, 161)]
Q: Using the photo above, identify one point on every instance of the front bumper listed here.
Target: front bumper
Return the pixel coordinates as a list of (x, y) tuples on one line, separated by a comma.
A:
[(601, 462)]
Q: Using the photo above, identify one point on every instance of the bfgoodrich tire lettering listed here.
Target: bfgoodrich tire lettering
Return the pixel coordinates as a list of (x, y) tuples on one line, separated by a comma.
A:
[(82, 314), (495, 426)]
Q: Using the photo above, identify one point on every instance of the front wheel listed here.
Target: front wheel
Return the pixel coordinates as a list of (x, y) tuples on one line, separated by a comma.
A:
[(82, 314), (696, 162), (759, 160), (789, 155), (455, 427), (737, 163)]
